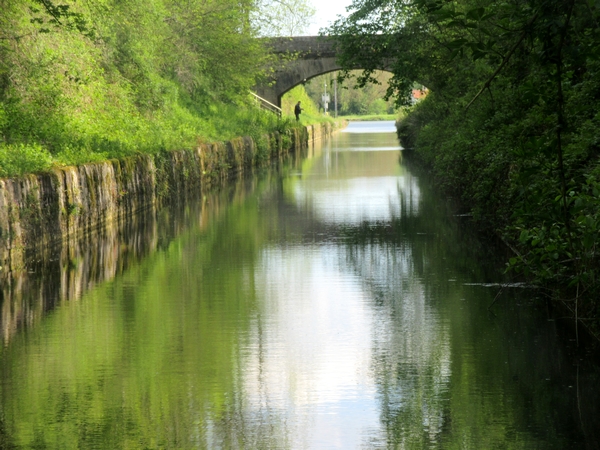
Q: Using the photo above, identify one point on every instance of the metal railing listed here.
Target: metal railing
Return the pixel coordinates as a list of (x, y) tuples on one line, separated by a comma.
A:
[(265, 104)]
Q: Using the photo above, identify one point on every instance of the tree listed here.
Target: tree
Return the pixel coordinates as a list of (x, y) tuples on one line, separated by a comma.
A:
[(353, 100), (86, 81), (283, 17), (512, 121)]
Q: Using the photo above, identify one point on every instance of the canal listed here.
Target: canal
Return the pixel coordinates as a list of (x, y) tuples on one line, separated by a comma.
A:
[(335, 302)]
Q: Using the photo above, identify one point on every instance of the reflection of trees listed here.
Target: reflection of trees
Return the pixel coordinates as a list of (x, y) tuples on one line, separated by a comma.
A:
[(149, 357), (412, 345), (65, 272), (441, 382), (168, 348)]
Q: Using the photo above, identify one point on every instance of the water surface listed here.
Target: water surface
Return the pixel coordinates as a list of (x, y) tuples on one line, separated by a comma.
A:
[(335, 303)]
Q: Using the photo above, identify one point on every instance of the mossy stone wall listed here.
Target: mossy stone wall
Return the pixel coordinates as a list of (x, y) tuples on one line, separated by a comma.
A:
[(39, 211)]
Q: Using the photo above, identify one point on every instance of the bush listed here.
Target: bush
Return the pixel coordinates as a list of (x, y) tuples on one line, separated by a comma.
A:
[(20, 159)]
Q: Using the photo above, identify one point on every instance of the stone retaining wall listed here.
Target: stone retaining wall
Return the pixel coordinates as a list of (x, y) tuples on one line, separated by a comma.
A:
[(40, 211)]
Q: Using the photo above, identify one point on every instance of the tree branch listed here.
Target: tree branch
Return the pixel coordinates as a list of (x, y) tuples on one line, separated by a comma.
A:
[(504, 61)]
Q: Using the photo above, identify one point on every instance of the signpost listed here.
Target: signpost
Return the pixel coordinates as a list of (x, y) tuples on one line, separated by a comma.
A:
[(325, 99)]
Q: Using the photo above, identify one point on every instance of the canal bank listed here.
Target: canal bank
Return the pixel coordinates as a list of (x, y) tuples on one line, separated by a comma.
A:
[(38, 212)]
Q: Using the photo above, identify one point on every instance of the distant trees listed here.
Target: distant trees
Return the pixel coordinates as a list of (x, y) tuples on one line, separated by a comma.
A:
[(283, 17), (353, 101)]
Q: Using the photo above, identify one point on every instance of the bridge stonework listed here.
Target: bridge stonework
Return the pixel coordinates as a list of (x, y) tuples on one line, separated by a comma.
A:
[(300, 59)]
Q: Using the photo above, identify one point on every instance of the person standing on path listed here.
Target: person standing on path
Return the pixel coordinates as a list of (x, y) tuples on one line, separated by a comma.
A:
[(297, 111)]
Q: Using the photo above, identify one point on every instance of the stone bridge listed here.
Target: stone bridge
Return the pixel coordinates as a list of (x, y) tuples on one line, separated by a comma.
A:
[(300, 59)]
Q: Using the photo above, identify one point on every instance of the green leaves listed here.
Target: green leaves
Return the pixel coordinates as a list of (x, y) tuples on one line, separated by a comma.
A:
[(457, 43), (22, 159), (477, 14), (524, 155), (283, 17), (60, 15), (158, 74)]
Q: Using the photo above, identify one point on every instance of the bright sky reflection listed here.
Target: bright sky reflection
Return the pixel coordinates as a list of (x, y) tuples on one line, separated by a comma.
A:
[(315, 348), (353, 201), (311, 363), (384, 126)]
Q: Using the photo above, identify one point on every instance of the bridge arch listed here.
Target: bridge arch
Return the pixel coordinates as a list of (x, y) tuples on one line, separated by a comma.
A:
[(301, 58), (292, 78)]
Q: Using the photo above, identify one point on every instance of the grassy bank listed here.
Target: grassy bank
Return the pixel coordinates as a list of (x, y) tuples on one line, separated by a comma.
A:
[(92, 81), (30, 157)]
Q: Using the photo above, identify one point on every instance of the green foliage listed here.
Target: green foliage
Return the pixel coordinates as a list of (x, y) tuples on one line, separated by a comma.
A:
[(283, 17), (295, 95), (19, 159), (310, 111), (352, 100), (86, 81), (511, 124), (59, 16)]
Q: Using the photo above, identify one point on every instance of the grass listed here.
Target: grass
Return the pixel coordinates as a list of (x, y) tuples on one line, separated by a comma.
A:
[(309, 119), (371, 117)]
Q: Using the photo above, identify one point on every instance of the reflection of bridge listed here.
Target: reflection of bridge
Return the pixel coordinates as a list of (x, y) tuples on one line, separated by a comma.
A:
[(301, 58)]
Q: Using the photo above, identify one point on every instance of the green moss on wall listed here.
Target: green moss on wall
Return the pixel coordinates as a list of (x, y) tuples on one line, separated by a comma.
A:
[(36, 210)]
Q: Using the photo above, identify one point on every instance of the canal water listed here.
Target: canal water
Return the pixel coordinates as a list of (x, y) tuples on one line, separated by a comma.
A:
[(336, 302)]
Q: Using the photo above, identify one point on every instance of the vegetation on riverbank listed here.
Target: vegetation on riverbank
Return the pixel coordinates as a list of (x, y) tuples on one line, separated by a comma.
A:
[(90, 81), (372, 117), (353, 104), (511, 124), (310, 111), (366, 101)]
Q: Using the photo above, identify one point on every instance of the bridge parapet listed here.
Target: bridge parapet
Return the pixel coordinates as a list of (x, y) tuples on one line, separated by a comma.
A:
[(305, 47)]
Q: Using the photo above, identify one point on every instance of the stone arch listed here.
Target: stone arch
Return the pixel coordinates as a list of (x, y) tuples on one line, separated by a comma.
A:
[(300, 59), (309, 56), (295, 73), (304, 72)]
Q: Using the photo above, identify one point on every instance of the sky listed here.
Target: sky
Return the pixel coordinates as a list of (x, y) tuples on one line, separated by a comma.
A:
[(327, 12)]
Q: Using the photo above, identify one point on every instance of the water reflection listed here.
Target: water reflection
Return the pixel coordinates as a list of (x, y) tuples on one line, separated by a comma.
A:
[(333, 304), (368, 129), (310, 358)]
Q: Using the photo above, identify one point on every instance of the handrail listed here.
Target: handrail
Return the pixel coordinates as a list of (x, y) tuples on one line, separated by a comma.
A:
[(265, 104)]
